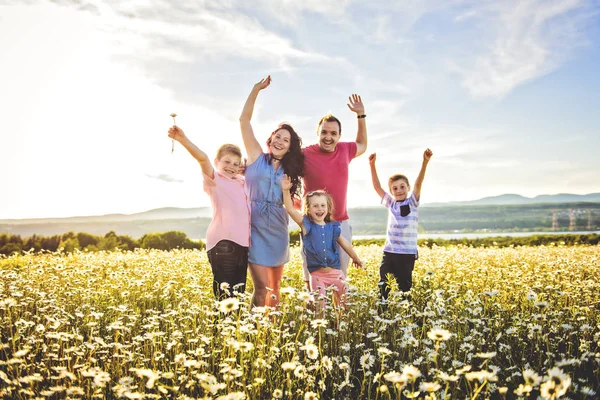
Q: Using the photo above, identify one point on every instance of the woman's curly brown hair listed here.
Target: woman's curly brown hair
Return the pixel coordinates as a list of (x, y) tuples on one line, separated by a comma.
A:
[(293, 161)]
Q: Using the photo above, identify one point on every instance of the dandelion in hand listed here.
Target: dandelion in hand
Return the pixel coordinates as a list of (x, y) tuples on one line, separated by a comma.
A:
[(173, 115)]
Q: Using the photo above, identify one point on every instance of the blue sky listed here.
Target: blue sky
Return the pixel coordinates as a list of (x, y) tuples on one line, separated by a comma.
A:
[(504, 92)]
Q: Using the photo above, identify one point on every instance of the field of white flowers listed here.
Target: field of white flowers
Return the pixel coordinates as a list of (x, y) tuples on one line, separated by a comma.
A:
[(481, 323)]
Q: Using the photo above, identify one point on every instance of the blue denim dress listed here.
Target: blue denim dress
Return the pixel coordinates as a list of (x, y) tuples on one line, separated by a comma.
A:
[(269, 237)]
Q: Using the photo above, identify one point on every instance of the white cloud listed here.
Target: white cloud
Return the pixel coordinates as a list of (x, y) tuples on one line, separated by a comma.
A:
[(185, 33), (465, 16), (165, 178), (529, 39)]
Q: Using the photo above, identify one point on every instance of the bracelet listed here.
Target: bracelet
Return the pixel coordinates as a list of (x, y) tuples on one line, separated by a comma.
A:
[(361, 116)]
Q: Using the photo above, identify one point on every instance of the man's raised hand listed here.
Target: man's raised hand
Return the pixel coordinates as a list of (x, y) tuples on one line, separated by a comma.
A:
[(356, 105)]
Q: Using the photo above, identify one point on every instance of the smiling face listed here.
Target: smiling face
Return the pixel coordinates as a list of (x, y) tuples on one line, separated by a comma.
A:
[(329, 136), (229, 164), (318, 207), (399, 189), (280, 143)]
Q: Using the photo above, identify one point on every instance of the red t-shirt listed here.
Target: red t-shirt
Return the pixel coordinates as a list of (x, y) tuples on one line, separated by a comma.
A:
[(329, 172)]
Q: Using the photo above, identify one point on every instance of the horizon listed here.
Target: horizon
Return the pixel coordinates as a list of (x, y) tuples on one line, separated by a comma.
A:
[(503, 92), (350, 208)]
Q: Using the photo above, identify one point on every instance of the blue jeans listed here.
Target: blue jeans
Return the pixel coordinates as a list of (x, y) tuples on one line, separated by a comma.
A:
[(229, 263)]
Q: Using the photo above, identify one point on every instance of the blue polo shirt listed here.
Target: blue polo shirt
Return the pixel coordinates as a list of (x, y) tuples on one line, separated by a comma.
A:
[(319, 244)]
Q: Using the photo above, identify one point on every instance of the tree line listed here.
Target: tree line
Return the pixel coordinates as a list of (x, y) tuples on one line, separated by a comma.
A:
[(71, 241), (499, 218), (501, 241)]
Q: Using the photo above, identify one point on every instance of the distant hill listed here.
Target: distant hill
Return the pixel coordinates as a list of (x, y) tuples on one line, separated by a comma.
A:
[(514, 199), (504, 213), (156, 214), (192, 221)]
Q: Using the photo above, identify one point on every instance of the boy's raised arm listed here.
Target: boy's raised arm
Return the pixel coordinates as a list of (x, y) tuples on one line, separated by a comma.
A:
[(253, 148), (419, 181), (286, 185), (374, 177), (176, 133)]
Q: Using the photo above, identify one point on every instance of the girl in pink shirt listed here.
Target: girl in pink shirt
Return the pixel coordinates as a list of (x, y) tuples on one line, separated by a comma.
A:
[(228, 235)]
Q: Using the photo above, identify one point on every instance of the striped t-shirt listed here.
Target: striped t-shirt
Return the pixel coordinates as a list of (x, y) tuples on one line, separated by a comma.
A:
[(401, 235)]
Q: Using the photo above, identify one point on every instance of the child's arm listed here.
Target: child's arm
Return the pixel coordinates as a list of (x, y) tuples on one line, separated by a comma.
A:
[(252, 146), (286, 185), (374, 177), (176, 133), (419, 181), (347, 246)]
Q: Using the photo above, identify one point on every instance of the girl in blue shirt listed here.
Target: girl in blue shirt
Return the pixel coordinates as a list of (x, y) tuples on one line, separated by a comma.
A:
[(320, 236)]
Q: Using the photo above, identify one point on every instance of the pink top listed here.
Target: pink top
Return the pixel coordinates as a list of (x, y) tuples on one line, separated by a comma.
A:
[(329, 172), (231, 210)]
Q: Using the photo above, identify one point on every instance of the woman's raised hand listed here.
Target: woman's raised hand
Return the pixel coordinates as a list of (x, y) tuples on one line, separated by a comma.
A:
[(264, 83)]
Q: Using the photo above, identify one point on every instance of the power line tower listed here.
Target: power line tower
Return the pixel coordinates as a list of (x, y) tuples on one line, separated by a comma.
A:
[(554, 220)]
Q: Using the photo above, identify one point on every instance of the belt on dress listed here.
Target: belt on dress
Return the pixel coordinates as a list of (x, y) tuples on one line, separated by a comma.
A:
[(266, 208)]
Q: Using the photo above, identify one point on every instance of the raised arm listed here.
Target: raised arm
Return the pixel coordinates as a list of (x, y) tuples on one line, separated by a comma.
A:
[(356, 105), (176, 133), (374, 177), (419, 181), (286, 185), (253, 148), (347, 246)]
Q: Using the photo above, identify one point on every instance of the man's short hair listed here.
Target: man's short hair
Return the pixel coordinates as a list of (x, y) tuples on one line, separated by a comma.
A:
[(329, 118)]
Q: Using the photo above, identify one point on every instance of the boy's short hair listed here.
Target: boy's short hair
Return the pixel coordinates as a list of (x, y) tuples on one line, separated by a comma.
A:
[(397, 177), (329, 118), (229, 149)]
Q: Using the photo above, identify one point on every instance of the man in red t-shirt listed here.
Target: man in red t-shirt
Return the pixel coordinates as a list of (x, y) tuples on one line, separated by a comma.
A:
[(326, 167)]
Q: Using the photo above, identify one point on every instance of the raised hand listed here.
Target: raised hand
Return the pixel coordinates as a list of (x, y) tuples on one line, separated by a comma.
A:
[(372, 159), (356, 105), (427, 155), (264, 83), (286, 182), (176, 133)]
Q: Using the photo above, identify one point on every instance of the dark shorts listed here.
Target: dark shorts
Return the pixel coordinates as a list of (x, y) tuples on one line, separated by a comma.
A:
[(229, 263), (400, 267)]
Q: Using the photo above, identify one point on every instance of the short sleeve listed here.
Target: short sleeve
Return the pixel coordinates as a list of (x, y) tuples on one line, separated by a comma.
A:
[(259, 162), (307, 224), (351, 149), (348, 150), (208, 183), (413, 200), (337, 230), (387, 200)]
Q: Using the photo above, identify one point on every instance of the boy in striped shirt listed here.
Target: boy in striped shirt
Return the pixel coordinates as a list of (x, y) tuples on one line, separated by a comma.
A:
[(400, 251)]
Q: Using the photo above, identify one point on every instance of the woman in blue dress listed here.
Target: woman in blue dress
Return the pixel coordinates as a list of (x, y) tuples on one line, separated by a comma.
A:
[(269, 237)]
